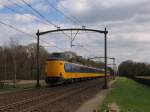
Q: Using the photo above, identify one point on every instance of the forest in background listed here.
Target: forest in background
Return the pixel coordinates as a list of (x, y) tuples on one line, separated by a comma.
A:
[(130, 68), (19, 61)]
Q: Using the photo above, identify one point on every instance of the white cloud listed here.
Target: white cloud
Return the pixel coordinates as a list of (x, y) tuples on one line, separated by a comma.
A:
[(25, 18), (91, 11)]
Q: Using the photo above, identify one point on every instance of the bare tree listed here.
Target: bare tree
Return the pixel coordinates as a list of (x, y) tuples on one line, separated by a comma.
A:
[(13, 45), (18, 62)]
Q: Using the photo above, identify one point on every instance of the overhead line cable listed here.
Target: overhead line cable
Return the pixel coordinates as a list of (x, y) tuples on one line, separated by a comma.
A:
[(69, 18), (51, 23), (12, 27), (69, 13), (19, 29), (15, 11), (15, 3), (39, 13)]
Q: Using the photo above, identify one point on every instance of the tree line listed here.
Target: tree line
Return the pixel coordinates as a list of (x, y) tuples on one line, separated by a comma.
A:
[(19, 61), (130, 68)]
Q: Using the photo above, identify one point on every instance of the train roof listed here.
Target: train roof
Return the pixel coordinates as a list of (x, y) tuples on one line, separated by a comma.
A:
[(78, 64)]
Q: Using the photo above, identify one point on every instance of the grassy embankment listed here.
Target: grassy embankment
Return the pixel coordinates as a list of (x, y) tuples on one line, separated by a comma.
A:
[(129, 96)]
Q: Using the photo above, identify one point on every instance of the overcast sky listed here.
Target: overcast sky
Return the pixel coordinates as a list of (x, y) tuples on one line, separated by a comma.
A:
[(128, 23)]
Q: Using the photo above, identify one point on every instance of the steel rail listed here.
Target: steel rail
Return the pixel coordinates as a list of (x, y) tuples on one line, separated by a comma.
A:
[(29, 100), (61, 96)]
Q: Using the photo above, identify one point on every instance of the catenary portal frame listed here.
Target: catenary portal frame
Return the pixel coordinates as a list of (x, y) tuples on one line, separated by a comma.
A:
[(105, 32)]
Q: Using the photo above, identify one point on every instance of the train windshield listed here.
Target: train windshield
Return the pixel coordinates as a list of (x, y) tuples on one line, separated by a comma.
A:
[(56, 56)]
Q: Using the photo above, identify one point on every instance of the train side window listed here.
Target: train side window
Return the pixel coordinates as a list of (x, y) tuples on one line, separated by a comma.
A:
[(82, 69), (75, 68), (67, 67), (72, 68)]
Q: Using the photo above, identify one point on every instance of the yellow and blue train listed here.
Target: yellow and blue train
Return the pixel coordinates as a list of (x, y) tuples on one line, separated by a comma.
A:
[(60, 71)]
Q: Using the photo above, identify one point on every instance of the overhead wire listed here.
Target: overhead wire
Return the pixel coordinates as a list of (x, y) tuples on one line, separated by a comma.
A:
[(39, 12), (75, 18), (14, 28), (14, 3), (19, 29), (65, 15), (36, 11), (15, 11), (18, 12)]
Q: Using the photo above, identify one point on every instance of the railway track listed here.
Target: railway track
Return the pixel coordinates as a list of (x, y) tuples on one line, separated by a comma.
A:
[(35, 108), (10, 98), (20, 104), (14, 97), (32, 104)]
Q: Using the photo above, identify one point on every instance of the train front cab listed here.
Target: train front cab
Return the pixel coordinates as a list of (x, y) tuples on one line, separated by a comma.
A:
[(54, 71)]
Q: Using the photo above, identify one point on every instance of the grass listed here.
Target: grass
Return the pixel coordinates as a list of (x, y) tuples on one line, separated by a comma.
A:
[(129, 95)]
